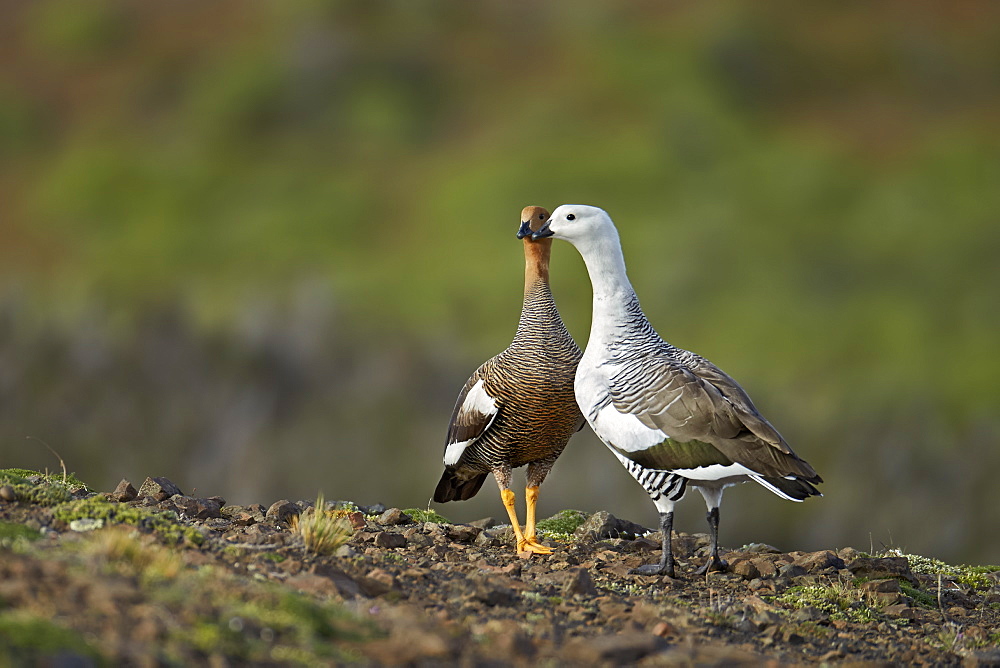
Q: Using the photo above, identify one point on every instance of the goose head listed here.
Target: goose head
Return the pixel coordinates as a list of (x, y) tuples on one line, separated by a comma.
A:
[(532, 220), (577, 223)]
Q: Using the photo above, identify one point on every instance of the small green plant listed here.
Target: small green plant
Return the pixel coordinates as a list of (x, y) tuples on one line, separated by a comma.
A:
[(322, 531), (428, 515), (562, 525), (918, 596), (838, 600), (129, 552)]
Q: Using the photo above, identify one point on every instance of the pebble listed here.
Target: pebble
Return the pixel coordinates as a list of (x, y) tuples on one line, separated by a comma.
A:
[(394, 516), (389, 540), (7, 493), (160, 489), (281, 511), (124, 492)]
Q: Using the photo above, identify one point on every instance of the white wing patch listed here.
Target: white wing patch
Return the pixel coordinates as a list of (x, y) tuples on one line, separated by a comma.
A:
[(625, 430), (454, 452), (476, 401), (628, 433), (714, 472)]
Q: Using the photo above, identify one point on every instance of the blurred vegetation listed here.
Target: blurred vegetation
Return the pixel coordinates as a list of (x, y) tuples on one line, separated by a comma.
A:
[(258, 249)]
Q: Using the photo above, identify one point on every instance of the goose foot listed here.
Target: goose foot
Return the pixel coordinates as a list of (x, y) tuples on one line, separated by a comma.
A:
[(530, 545), (715, 564)]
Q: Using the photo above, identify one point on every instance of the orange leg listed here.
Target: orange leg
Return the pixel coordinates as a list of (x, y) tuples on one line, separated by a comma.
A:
[(507, 496), (530, 539)]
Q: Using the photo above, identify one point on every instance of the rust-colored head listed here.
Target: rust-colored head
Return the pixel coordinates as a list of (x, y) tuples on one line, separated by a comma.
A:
[(532, 219)]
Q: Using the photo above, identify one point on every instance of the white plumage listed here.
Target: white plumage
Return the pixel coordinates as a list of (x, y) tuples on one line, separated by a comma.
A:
[(671, 417)]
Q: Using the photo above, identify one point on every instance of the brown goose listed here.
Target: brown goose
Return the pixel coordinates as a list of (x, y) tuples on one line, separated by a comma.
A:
[(517, 408), (672, 418)]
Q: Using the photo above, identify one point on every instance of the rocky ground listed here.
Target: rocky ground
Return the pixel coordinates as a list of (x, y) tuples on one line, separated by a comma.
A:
[(151, 576)]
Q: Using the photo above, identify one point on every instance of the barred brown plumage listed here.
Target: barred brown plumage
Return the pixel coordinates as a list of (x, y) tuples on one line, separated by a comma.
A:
[(519, 407)]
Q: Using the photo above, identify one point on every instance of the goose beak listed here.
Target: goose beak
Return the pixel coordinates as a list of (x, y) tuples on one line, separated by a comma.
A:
[(525, 230), (543, 232)]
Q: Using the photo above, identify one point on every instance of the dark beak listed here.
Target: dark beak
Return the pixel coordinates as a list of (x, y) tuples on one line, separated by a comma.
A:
[(543, 231), (525, 230)]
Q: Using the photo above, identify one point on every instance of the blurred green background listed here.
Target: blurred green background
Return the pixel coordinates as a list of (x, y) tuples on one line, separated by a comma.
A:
[(258, 247)]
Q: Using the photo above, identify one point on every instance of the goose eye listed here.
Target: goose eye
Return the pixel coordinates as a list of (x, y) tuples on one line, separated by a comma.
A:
[(570, 216), (541, 216)]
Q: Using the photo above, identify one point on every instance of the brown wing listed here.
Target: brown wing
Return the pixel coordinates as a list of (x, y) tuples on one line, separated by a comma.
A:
[(703, 405), (474, 412)]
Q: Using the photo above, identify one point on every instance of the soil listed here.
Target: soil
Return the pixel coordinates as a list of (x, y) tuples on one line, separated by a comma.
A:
[(242, 589)]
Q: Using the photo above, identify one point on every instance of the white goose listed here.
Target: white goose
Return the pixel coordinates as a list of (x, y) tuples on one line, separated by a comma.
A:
[(671, 417)]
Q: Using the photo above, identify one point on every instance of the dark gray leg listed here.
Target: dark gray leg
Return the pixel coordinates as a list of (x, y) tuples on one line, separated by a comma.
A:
[(714, 562), (666, 565)]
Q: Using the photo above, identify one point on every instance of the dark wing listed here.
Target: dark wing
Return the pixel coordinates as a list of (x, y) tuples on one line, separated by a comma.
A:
[(692, 406), (475, 410)]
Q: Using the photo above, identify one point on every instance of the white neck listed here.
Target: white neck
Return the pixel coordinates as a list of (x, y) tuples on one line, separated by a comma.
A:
[(612, 290)]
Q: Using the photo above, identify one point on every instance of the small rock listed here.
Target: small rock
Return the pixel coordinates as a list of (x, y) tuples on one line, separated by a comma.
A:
[(766, 567), (377, 582), (818, 561), (486, 540), (242, 516), (664, 630), (124, 492), (345, 552), (808, 614), (463, 533), (791, 570), (281, 511), (579, 582), (357, 520), (389, 540), (885, 567), (374, 509), (86, 524), (394, 516), (7, 493), (485, 523), (848, 553), (898, 610), (616, 649), (160, 489), (888, 585), (761, 548), (494, 594), (603, 524), (201, 509), (745, 568)]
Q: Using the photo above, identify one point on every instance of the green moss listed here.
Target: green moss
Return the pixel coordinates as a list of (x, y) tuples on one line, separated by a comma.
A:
[(428, 515), (563, 523), (837, 601), (42, 489), (918, 596), (29, 640), (10, 532), (161, 522), (976, 577)]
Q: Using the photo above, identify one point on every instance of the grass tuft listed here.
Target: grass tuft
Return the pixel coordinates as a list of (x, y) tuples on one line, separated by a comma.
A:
[(322, 530)]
